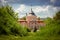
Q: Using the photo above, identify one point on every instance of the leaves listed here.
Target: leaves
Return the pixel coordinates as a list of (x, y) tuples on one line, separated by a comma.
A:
[(8, 22)]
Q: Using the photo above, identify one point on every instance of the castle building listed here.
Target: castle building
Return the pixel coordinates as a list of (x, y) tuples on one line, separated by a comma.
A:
[(31, 21)]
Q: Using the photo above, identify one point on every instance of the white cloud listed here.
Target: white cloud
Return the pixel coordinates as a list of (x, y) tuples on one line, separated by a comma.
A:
[(44, 8), (21, 8), (41, 11), (3, 2), (40, 8), (45, 11), (53, 1)]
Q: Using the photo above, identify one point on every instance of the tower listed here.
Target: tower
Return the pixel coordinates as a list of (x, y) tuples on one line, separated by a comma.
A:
[(31, 19), (32, 13), (31, 16)]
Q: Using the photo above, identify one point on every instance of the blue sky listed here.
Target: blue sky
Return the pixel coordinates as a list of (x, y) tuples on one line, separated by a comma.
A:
[(42, 8)]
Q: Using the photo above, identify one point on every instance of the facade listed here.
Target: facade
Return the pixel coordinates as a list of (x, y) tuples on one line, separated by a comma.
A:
[(31, 21)]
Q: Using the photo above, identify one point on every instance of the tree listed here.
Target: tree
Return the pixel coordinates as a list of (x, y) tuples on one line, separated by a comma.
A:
[(24, 18), (57, 16), (8, 22), (38, 18), (48, 20)]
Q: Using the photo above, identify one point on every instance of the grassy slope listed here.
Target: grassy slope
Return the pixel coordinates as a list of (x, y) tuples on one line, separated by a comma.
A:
[(11, 37)]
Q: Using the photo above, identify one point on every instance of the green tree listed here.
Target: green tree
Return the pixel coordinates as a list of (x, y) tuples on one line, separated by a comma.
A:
[(24, 18), (57, 17), (38, 18), (8, 22), (48, 20)]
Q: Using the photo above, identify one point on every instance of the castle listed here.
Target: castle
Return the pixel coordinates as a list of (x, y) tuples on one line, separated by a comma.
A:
[(31, 21)]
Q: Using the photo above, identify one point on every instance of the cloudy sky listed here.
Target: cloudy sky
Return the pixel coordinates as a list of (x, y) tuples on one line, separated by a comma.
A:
[(42, 8)]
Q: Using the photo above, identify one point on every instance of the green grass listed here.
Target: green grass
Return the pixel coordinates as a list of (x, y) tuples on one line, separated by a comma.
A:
[(11, 37)]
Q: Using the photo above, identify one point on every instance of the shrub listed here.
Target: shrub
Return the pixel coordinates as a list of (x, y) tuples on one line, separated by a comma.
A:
[(8, 22)]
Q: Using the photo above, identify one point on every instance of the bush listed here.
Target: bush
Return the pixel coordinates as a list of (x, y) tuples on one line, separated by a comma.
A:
[(52, 27), (8, 22)]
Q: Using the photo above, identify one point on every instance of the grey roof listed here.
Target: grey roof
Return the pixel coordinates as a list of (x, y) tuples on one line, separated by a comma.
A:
[(32, 12)]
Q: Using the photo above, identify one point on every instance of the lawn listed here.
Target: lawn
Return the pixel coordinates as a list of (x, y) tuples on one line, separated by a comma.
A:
[(11, 37)]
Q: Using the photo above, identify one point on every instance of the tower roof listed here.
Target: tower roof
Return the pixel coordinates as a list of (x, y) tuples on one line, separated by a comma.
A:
[(32, 12)]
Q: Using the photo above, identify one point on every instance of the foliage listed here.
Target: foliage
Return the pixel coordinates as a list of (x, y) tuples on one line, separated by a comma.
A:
[(52, 27), (57, 16), (38, 18), (8, 22), (48, 20), (10, 26), (24, 18)]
